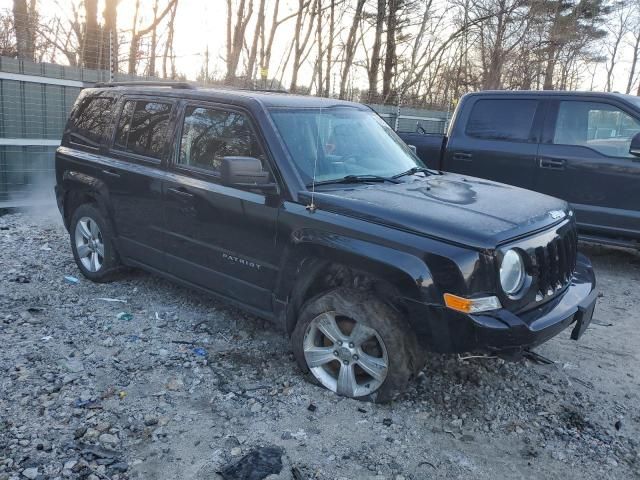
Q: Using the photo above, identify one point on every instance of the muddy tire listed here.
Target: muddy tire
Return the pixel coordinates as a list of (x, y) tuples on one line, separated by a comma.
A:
[(92, 245), (356, 345)]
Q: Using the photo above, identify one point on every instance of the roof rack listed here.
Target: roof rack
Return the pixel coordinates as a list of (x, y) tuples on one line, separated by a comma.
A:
[(148, 83)]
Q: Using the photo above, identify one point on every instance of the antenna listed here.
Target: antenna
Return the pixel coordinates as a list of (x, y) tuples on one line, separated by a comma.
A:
[(312, 206)]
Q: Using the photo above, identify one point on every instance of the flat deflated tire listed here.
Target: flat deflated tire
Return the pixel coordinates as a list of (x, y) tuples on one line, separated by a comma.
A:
[(92, 244), (354, 344)]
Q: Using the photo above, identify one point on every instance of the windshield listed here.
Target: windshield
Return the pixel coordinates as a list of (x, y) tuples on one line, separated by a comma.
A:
[(341, 141)]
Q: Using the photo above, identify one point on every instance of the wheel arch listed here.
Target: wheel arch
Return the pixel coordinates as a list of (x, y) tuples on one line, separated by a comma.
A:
[(317, 265), (80, 188)]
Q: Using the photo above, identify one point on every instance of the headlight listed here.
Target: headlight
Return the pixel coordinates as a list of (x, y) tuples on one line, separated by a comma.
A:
[(512, 274)]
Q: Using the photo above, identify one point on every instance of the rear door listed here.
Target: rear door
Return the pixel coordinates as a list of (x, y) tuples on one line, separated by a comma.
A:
[(219, 237), (134, 177), (496, 138), (584, 158)]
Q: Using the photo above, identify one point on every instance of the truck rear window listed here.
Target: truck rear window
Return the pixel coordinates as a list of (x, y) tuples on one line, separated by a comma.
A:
[(502, 119)]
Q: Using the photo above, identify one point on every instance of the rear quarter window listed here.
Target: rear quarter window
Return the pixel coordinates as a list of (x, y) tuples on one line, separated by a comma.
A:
[(502, 119), (89, 125)]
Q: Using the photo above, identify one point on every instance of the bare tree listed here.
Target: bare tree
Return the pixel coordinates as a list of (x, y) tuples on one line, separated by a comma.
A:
[(303, 30), (24, 18), (168, 47), (350, 47), (617, 31), (138, 33), (110, 34), (235, 34), (390, 60)]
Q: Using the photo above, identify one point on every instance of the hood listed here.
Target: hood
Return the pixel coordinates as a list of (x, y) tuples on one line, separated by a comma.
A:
[(465, 210)]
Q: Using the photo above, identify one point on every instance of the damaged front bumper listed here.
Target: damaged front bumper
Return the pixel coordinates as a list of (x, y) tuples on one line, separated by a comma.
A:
[(509, 334)]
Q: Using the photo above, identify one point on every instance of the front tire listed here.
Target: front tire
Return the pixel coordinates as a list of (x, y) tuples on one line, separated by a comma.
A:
[(355, 345), (92, 244)]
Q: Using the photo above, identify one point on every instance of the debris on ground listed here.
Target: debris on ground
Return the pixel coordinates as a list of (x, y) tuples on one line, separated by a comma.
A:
[(190, 386), (256, 465)]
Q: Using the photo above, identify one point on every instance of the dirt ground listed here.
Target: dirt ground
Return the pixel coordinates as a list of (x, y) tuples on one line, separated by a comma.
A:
[(188, 385)]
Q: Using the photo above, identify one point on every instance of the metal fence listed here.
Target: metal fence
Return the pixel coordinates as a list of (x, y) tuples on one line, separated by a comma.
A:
[(35, 100)]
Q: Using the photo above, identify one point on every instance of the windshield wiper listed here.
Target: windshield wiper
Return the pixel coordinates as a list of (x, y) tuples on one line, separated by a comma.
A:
[(413, 171), (355, 179)]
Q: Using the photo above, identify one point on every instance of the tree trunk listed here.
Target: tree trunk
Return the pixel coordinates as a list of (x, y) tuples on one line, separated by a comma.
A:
[(634, 62), (374, 67), (168, 47), (549, 69), (24, 31), (154, 41), (133, 48), (319, 76), (253, 53), (136, 35), (301, 39), (391, 59), (91, 47), (236, 34), (350, 47), (110, 36), (327, 71)]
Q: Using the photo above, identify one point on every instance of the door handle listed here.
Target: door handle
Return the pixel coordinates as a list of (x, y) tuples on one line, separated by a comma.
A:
[(553, 163), (111, 172), (466, 156), (180, 192)]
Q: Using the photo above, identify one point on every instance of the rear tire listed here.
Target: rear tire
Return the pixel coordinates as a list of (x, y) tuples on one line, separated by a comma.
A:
[(92, 245), (355, 345)]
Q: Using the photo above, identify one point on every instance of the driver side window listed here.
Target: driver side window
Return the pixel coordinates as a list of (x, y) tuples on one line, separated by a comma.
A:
[(599, 126), (210, 134)]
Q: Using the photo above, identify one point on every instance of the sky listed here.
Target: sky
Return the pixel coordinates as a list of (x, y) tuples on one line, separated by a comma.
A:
[(202, 23)]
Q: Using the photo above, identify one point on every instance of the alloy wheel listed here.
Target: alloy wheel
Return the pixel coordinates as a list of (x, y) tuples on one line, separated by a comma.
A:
[(89, 244), (344, 355)]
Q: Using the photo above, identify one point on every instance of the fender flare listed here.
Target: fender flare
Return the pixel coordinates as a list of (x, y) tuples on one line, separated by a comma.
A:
[(310, 251), (82, 184)]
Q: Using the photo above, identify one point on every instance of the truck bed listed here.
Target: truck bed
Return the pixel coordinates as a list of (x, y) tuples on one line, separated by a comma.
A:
[(428, 147)]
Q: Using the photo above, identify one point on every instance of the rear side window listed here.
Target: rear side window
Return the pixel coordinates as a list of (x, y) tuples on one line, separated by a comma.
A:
[(142, 128), (90, 124), (502, 119), (599, 126)]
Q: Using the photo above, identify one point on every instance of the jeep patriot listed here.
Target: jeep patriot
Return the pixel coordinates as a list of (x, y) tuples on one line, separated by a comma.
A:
[(311, 212)]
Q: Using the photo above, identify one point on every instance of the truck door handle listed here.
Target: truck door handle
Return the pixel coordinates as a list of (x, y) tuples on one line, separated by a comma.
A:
[(180, 192), (111, 172), (553, 163), (466, 156)]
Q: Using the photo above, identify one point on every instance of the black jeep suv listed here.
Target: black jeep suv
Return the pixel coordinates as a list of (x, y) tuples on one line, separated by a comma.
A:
[(312, 213)]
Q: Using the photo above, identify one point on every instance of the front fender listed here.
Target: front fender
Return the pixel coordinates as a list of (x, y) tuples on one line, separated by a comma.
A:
[(408, 273)]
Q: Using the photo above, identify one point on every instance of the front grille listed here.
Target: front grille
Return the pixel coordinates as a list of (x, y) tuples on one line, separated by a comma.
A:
[(550, 261), (555, 262)]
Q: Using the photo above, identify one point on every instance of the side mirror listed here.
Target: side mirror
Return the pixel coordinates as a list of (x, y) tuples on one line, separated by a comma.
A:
[(245, 172), (413, 149), (634, 148)]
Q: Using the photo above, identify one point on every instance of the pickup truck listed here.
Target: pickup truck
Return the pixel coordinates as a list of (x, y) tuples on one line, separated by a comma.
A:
[(313, 214), (582, 147)]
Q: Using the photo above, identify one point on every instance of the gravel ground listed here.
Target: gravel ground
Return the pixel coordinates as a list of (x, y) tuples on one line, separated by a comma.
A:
[(188, 385)]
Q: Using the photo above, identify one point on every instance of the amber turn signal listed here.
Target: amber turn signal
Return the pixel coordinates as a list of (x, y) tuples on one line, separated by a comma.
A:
[(471, 305)]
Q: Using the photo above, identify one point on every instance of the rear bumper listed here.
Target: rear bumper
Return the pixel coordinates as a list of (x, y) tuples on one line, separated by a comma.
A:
[(506, 333)]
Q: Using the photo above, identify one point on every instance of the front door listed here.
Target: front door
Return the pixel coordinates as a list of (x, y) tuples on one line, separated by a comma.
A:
[(498, 141), (585, 160), (218, 237)]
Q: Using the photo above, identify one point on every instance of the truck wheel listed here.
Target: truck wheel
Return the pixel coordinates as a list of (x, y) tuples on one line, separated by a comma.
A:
[(92, 245), (355, 345)]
